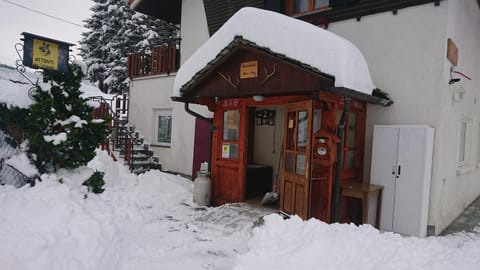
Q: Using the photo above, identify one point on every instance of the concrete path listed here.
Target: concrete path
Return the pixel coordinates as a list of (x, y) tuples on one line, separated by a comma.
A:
[(467, 221)]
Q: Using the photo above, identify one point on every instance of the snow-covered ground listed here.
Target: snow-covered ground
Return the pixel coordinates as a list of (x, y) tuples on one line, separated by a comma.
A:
[(150, 222)]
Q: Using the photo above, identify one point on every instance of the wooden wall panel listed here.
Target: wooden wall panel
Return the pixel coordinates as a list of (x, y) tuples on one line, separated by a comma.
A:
[(276, 77)]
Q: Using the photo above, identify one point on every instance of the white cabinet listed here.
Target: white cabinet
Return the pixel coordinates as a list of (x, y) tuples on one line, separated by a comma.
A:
[(401, 162)]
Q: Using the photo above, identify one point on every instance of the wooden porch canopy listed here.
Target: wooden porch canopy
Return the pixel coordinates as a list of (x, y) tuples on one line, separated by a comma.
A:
[(244, 69)]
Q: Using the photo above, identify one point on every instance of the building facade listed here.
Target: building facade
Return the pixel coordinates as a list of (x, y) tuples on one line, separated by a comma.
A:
[(405, 45)]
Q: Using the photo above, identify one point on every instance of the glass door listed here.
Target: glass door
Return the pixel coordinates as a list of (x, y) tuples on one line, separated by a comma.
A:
[(296, 157)]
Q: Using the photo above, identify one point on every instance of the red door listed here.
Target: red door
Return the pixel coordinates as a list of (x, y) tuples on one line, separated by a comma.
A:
[(294, 195), (229, 148)]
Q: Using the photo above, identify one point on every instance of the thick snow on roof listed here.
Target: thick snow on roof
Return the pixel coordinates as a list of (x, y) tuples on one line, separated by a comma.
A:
[(295, 39), (14, 88)]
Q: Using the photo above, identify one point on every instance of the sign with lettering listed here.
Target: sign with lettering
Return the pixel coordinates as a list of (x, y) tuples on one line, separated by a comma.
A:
[(249, 70), (45, 53)]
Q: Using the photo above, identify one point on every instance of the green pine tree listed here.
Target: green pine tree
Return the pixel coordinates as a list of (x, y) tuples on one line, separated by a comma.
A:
[(114, 32), (58, 127)]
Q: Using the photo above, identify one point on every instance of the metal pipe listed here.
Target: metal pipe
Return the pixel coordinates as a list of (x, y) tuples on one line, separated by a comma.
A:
[(339, 163)]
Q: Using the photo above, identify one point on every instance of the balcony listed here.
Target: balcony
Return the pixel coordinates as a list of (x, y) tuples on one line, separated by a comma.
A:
[(159, 60)]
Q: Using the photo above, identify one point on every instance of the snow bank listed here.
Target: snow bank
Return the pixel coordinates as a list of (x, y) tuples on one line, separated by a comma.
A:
[(139, 222), (297, 244), (150, 222), (297, 39), (21, 163)]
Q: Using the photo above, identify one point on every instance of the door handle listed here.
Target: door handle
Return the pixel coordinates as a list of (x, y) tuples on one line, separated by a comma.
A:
[(399, 170)]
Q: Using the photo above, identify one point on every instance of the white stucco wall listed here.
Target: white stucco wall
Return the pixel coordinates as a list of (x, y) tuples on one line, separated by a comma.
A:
[(406, 54), (456, 188), (152, 93), (147, 95), (267, 150), (194, 32)]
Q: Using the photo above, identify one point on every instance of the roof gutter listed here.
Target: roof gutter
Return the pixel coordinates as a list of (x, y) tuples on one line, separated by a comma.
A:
[(378, 97)]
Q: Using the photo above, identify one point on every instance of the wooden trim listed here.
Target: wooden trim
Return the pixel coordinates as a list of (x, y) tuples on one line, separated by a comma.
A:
[(289, 7), (359, 9)]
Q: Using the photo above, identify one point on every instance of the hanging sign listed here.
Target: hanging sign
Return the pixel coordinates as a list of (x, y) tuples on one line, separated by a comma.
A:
[(452, 52), (249, 70), (45, 53)]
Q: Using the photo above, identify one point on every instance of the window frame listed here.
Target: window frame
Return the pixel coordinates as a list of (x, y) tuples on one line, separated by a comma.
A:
[(162, 112), (467, 143), (290, 5), (359, 109), (229, 141), (478, 145)]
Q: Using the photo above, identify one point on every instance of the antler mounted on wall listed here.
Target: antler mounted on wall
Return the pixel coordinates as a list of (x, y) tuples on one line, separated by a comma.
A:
[(268, 75), (229, 80)]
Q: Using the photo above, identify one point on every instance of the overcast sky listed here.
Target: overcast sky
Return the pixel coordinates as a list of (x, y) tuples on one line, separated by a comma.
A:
[(15, 20)]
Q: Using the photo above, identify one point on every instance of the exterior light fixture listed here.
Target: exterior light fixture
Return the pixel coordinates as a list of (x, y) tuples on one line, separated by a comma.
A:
[(258, 98), (454, 80)]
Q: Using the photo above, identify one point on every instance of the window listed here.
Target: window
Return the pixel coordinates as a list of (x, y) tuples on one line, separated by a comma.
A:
[(231, 134), (464, 141), (302, 6), (478, 145), (163, 129)]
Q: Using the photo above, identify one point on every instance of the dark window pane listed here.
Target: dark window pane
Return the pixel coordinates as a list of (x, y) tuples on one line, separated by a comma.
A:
[(350, 160), (321, 3), (289, 162), (164, 129), (352, 128), (300, 6), (462, 144), (317, 120), (290, 140), (233, 150), (300, 166)]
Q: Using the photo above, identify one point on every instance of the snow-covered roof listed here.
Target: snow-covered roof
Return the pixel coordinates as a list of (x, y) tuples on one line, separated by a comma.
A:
[(298, 40), (14, 88)]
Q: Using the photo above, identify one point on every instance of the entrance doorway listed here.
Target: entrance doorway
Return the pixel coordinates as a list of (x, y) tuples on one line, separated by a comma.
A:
[(265, 134), (290, 141)]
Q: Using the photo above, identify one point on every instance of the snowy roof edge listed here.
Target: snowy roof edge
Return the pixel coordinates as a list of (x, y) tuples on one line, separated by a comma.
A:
[(331, 54)]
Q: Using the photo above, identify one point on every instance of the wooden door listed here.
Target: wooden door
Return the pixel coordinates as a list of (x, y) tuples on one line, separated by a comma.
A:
[(229, 148), (296, 158)]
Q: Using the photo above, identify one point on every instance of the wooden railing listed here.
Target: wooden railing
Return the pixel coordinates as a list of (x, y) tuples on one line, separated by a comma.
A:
[(113, 109), (154, 61)]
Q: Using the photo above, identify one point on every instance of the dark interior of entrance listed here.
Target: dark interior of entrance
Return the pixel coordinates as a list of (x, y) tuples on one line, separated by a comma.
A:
[(265, 132)]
